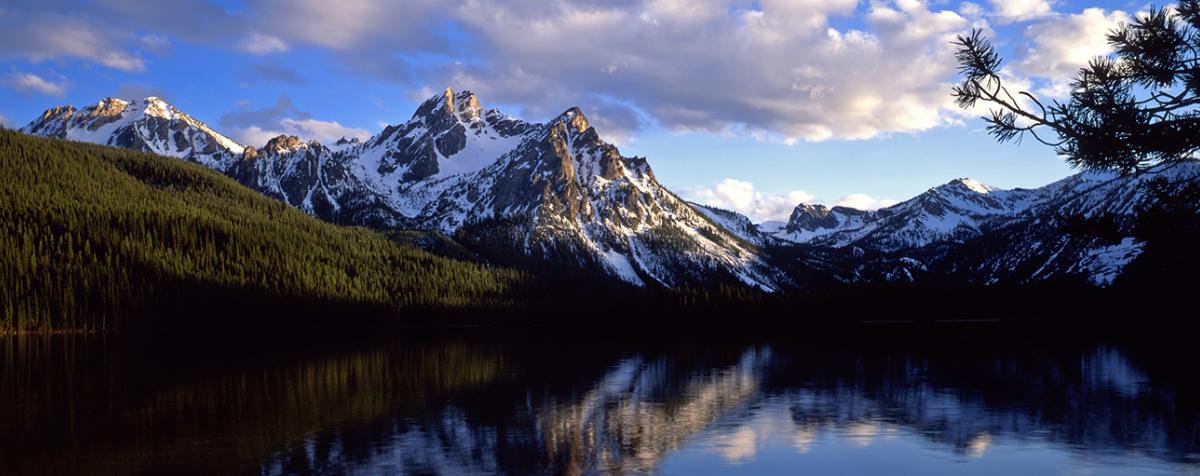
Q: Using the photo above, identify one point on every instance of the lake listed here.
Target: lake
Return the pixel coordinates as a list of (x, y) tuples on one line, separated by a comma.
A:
[(478, 402)]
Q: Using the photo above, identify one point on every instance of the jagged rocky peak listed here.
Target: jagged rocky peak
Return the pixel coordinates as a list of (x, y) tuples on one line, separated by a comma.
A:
[(806, 218), (575, 119), (110, 107), (971, 185), (552, 190), (55, 112), (810, 217), (155, 106), (284, 143), (52, 123), (813, 210), (466, 106), (463, 105), (149, 124), (249, 153)]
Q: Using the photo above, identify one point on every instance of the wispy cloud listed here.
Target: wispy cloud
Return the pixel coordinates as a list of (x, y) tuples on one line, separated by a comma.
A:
[(45, 36), (791, 71), (31, 83), (1021, 10), (260, 44)]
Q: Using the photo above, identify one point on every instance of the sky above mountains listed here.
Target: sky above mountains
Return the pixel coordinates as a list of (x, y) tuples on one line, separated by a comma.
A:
[(751, 106)]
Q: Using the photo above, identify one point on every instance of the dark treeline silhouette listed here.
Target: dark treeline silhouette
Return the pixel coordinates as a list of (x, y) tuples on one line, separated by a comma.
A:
[(97, 238), (93, 237)]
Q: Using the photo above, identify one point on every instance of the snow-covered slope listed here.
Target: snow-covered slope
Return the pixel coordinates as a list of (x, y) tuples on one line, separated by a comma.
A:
[(956, 211), (1086, 225), (738, 224), (149, 125), (983, 234), (554, 192)]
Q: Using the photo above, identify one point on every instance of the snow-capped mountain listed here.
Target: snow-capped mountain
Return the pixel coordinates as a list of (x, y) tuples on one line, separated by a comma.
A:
[(509, 188), (1089, 225), (956, 211), (149, 125), (980, 233), (522, 192)]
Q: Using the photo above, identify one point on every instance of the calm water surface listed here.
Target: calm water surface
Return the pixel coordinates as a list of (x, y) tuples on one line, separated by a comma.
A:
[(455, 405)]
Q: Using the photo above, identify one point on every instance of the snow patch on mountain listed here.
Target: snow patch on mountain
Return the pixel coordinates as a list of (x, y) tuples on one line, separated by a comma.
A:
[(1104, 263), (554, 191), (149, 125)]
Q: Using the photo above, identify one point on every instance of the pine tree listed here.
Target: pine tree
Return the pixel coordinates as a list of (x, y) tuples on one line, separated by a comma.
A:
[(1126, 112)]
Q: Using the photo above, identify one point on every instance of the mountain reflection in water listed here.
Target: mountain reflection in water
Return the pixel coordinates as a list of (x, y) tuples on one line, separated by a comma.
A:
[(544, 406)]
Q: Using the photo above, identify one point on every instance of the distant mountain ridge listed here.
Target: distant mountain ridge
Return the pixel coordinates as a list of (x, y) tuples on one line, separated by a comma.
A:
[(557, 193), (942, 230), (552, 192), (150, 125)]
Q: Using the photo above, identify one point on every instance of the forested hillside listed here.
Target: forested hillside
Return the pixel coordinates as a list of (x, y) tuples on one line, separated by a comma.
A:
[(96, 237)]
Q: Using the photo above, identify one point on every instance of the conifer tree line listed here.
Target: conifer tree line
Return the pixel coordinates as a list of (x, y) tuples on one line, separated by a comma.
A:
[(92, 237)]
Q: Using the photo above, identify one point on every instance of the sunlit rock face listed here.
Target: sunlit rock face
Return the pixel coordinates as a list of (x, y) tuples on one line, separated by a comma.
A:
[(554, 192), (148, 125)]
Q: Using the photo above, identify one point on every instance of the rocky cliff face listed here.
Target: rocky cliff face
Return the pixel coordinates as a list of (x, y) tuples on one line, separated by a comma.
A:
[(554, 192), (149, 125)]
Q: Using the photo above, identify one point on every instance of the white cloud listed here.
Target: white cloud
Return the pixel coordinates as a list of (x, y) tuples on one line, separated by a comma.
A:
[(4, 122), (776, 68), (307, 129), (49, 36), (253, 136), (781, 69), (349, 23), (1021, 10), (1058, 47), (863, 201), (970, 9), (324, 131), (740, 196), (257, 126), (28, 82), (260, 44)]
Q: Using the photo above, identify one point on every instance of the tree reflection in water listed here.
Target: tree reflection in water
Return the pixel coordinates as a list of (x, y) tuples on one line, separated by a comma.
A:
[(484, 406)]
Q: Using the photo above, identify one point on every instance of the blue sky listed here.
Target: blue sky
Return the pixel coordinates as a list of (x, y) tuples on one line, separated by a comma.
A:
[(748, 105)]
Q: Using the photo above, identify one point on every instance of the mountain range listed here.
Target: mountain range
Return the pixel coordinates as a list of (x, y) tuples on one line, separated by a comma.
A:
[(556, 194)]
